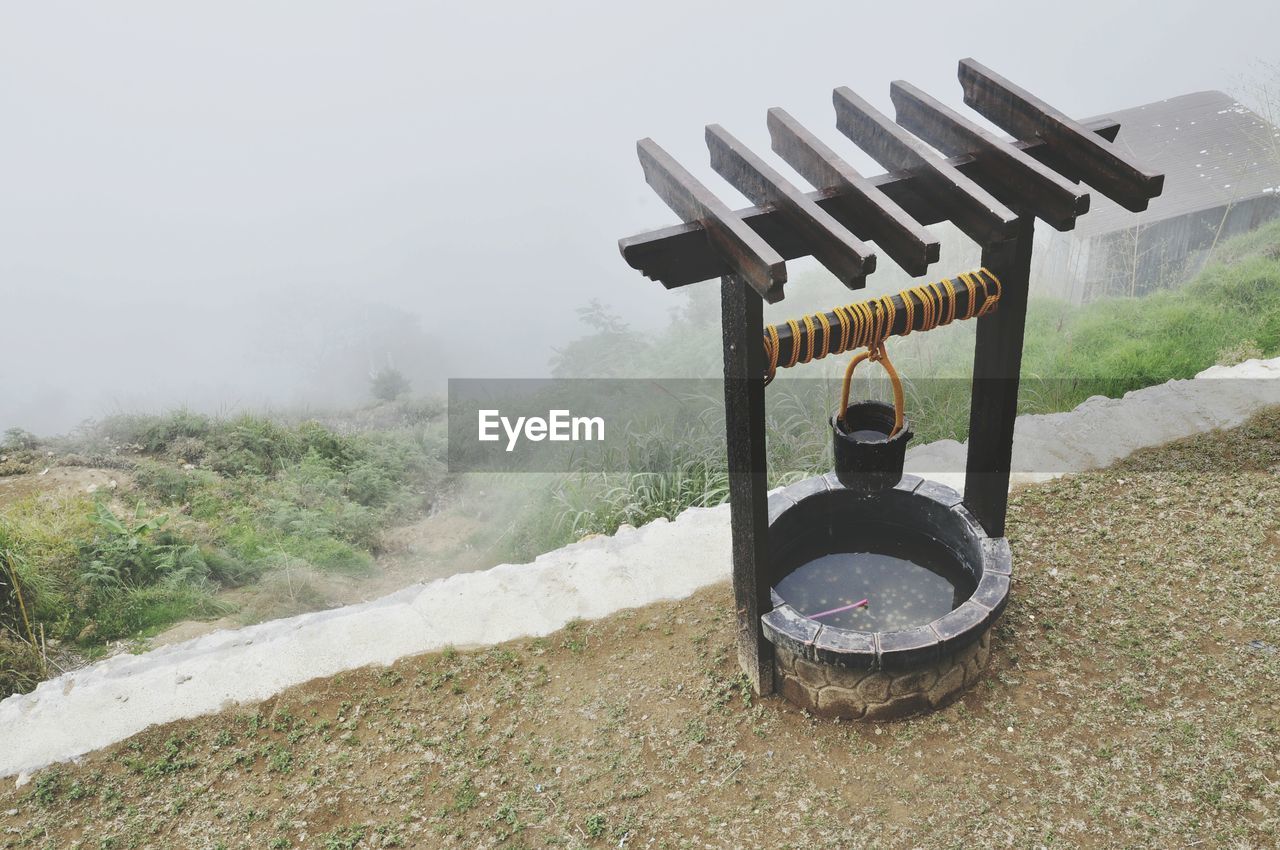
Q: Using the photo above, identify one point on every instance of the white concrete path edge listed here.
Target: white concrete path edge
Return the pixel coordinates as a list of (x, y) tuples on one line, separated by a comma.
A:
[(107, 702)]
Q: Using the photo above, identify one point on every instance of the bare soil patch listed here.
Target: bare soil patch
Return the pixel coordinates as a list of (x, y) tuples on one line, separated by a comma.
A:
[(62, 481)]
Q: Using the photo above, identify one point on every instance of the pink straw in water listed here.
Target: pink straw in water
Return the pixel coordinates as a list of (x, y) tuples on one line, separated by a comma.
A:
[(838, 610)]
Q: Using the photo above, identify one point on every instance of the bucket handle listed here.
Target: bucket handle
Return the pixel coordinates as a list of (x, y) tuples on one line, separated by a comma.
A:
[(878, 354)]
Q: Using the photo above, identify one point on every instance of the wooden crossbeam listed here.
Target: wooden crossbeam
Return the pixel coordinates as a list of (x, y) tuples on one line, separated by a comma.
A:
[(1100, 164), (750, 256), (844, 255), (1023, 181), (681, 254), (973, 209), (883, 221)]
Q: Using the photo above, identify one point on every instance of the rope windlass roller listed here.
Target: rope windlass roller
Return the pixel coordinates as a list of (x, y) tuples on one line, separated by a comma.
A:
[(867, 324)]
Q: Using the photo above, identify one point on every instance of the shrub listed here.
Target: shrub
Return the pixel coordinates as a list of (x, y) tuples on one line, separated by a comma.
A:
[(18, 440), (153, 433), (136, 575), (327, 553), (338, 450), (388, 384), (419, 411), (229, 571), (188, 449), (22, 666), (371, 484), (1239, 352), (168, 485), (250, 445)]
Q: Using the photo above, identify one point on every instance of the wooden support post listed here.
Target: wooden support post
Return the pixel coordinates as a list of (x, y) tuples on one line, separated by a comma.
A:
[(742, 321), (997, 361)]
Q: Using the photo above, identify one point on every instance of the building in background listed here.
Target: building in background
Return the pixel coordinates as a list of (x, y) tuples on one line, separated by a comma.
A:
[(1221, 163)]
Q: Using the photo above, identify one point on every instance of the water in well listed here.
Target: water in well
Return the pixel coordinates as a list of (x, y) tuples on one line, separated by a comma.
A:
[(908, 580)]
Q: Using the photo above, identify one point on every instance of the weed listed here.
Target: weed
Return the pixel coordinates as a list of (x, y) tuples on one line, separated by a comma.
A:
[(466, 796), (173, 758), (344, 837), (47, 787), (574, 639), (696, 731)]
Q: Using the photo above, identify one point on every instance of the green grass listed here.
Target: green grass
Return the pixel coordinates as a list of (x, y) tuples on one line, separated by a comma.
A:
[(214, 504)]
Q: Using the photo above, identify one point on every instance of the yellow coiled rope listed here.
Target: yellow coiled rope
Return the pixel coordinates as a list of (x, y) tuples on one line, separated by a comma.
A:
[(867, 324)]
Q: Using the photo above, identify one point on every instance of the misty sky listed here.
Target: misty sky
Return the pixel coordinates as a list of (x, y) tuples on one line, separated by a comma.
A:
[(199, 202)]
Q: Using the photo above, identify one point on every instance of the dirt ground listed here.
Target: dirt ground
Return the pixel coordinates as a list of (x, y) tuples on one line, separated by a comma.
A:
[(62, 481), (1132, 701)]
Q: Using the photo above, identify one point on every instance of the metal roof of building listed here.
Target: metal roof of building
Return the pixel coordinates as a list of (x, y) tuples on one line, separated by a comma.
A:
[(1212, 150)]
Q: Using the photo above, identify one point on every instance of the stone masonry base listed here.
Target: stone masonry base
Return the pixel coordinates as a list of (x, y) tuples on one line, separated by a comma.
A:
[(835, 692)]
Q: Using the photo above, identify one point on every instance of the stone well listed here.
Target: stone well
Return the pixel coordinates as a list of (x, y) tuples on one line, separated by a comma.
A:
[(842, 673)]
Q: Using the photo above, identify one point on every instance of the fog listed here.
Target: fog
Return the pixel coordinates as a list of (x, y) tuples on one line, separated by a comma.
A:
[(238, 204)]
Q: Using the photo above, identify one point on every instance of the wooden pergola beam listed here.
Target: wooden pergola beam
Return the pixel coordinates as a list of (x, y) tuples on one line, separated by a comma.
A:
[(1021, 180), (843, 254), (973, 209), (1100, 164), (682, 254), (724, 231), (883, 221)]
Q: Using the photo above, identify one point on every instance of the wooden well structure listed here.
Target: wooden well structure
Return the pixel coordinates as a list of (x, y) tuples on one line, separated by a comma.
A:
[(940, 166)]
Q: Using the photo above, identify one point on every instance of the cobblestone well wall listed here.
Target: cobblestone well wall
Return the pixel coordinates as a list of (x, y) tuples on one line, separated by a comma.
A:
[(835, 692)]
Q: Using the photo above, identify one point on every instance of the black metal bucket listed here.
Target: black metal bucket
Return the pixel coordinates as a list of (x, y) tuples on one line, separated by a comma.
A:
[(866, 457)]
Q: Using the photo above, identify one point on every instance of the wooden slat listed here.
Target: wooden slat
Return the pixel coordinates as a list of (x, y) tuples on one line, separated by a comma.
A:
[(786, 341), (973, 209), (741, 247), (829, 242), (1103, 166), (1023, 181), (680, 254), (880, 219)]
